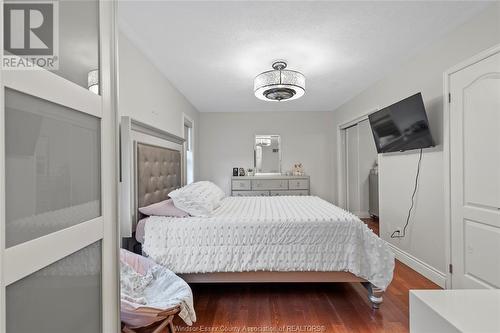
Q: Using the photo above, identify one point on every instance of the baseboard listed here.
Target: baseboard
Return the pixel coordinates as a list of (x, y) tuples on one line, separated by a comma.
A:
[(421, 267), (362, 215)]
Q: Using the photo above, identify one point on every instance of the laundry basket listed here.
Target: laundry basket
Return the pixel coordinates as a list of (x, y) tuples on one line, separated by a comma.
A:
[(138, 318)]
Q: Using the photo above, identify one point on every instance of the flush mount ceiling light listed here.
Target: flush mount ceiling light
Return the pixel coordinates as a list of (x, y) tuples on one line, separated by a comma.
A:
[(279, 84)]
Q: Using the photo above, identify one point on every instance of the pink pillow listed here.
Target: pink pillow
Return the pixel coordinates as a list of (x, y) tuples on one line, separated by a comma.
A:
[(138, 263), (163, 208)]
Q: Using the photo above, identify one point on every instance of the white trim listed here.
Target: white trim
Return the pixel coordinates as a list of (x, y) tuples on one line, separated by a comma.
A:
[(474, 59), (126, 177), (55, 89), (358, 165), (446, 176), (54, 247), (362, 215), (355, 121), (419, 266), (187, 120), (2, 189), (341, 169), (446, 148), (358, 119), (109, 166)]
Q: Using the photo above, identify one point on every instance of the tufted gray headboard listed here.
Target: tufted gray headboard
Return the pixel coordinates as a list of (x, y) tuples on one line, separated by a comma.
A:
[(158, 173)]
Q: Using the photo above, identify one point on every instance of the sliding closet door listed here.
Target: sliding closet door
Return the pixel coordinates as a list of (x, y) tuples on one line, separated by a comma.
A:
[(352, 169), (367, 159), (360, 157), (58, 184)]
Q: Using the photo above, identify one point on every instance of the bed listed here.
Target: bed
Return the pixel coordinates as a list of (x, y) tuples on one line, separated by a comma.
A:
[(263, 239)]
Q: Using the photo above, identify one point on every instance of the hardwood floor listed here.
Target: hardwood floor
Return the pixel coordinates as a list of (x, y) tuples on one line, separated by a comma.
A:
[(273, 308), (372, 223)]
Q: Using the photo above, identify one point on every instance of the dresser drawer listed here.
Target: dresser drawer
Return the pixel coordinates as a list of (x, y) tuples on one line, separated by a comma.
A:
[(250, 193), (289, 192), (240, 185), (298, 184), (269, 184)]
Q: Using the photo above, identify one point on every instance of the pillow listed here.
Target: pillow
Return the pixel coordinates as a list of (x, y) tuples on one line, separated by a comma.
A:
[(163, 208), (198, 199)]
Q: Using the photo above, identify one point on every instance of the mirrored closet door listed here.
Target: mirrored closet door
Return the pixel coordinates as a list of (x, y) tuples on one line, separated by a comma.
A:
[(57, 186)]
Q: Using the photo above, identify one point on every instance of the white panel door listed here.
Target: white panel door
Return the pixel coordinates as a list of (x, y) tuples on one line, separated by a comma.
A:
[(352, 169), (475, 174), (58, 250)]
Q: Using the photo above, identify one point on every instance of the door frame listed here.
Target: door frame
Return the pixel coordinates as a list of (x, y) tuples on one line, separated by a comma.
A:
[(342, 156), (187, 120), (104, 227), (108, 49), (447, 150)]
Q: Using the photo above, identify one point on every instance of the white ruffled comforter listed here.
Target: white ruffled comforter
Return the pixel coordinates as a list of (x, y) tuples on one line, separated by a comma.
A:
[(270, 234)]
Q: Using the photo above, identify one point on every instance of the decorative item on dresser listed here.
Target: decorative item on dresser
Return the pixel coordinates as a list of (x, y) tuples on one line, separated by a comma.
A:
[(298, 169), (270, 185)]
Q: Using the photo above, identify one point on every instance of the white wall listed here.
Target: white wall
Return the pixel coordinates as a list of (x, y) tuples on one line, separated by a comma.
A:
[(146, 95), (227, 142), (426, 239)]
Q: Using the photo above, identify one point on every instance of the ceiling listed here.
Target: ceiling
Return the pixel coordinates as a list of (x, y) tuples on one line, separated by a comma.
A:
[(212, 50)]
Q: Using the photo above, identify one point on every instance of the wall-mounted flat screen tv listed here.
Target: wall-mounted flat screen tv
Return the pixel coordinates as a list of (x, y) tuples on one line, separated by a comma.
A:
[(401, 126)]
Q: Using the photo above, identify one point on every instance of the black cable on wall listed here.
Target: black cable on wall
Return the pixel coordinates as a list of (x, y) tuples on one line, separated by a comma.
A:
[(397, 233)]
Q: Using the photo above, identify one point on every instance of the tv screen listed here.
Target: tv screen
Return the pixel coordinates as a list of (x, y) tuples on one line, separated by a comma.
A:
[(401, 126)]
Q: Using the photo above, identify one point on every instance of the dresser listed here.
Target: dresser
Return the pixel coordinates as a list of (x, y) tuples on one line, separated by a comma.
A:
[(269, 185)]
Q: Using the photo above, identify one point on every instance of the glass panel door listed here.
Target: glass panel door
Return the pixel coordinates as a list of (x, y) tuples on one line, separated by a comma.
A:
[(58, 179), (76, 40), (62, 297), (52, 167)]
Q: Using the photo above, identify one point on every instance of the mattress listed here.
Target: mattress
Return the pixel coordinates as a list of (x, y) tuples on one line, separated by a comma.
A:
[(270, 234), (139, 230)]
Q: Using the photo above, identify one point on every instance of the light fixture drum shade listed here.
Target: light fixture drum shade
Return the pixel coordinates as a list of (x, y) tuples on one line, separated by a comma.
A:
[(279, 85)]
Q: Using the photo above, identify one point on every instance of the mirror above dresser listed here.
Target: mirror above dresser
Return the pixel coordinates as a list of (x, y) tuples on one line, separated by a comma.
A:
[(268, 179), (267, 154)]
